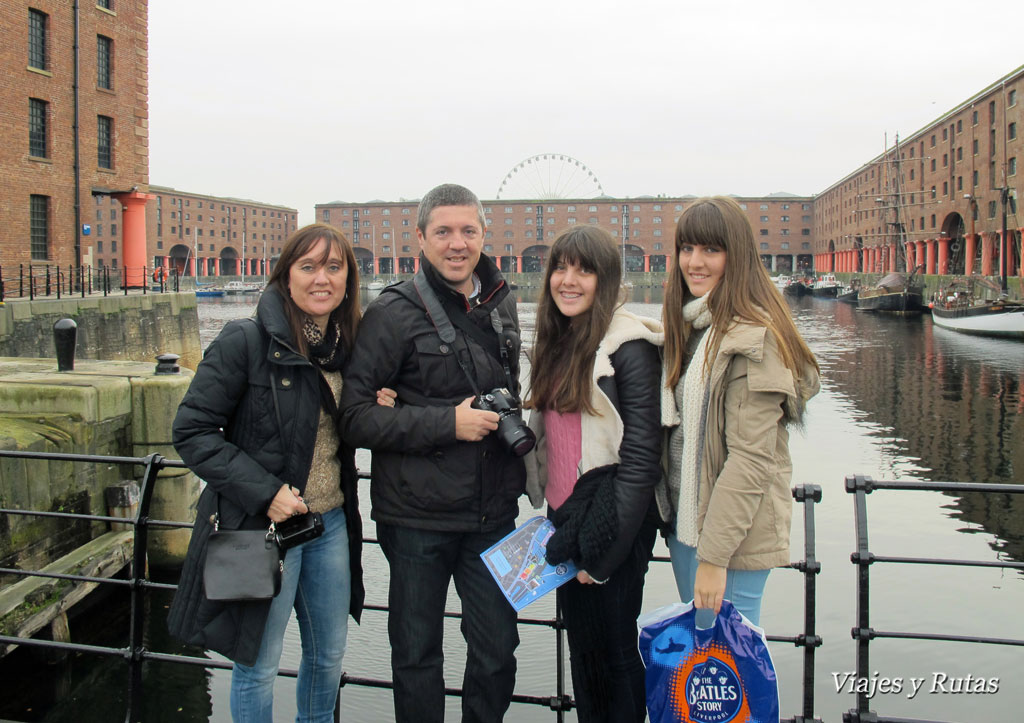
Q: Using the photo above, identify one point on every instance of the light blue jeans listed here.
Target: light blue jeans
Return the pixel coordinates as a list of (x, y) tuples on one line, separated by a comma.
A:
[(743, 588), (317, 583)]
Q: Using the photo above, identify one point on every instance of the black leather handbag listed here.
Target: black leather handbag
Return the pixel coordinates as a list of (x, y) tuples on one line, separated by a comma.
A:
[(242, 564)]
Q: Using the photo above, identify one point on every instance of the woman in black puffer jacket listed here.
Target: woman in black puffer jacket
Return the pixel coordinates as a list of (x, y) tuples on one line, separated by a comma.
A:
[(258, 424)]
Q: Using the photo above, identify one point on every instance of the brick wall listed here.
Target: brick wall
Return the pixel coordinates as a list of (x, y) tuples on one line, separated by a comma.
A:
[(126, 102)]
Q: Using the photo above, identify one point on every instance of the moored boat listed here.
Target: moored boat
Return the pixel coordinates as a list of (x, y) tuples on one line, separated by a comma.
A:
[(209, 292), (999, 318), (896, 293), (243, 287), (825, 286), (797, 287), (959, 308), (848, 294)]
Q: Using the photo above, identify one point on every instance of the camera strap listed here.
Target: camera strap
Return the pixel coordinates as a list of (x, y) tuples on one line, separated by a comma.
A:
[(446, 331)]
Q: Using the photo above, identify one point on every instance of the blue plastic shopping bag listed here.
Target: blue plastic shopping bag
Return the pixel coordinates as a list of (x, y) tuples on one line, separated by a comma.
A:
[(722, 674)]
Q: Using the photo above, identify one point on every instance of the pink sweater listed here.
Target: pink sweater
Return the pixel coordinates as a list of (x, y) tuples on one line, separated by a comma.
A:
[(564, 448)]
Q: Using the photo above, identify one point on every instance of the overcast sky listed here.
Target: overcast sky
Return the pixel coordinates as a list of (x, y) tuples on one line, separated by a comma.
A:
[(311, 101)]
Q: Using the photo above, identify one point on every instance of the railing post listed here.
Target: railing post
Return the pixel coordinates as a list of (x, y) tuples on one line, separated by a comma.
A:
[(559, 662), (809, 495), (136, 649), (860, 486)]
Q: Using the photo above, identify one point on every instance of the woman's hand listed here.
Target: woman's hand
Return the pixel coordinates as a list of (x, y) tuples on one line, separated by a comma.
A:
[(286, 503), (709, 587), (584, 577), (387, 397)]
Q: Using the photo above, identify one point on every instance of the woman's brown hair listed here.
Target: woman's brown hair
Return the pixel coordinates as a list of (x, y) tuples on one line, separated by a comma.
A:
[(348, 312), (562, 363), (745, 291)]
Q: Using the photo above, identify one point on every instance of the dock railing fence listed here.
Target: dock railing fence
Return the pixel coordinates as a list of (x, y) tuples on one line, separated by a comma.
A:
[(860, 487), (135, 652)]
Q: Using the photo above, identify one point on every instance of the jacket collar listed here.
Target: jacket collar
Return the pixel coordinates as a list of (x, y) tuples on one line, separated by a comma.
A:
[(625, 326), (492, 285), (271, 315)]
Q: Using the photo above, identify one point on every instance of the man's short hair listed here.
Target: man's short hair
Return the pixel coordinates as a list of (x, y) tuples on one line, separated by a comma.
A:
[(448, 194)]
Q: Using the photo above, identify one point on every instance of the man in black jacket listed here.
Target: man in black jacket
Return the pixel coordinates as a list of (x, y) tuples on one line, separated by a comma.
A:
[(443, 486)]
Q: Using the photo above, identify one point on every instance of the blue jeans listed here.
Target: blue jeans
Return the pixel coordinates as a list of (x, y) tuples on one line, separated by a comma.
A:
[(423, 562), (743, 588), (317, 583)]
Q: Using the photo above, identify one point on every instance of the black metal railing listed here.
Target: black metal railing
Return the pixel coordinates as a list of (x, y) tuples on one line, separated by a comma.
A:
[(33, 281), (135, 653), (860, 487)]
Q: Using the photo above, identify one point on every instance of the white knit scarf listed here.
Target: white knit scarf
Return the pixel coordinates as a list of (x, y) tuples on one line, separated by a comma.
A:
[(693, 416)]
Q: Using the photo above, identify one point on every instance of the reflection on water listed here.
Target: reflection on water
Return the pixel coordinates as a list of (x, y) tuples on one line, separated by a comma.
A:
[(899, 399), (951, 403)]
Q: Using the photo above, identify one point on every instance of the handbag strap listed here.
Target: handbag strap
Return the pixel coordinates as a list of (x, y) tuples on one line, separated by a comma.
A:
[(250, 329)]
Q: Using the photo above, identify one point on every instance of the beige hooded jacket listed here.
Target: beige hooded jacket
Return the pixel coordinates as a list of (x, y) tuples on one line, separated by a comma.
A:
[(744, 500)]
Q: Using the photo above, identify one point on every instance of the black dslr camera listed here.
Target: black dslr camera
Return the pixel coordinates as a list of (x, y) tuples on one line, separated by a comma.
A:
[(301, 528), (512, 431)]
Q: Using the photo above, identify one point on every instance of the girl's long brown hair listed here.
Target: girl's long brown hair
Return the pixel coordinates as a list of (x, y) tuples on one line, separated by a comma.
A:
[(348, 313), (744, 292), (563, 355)]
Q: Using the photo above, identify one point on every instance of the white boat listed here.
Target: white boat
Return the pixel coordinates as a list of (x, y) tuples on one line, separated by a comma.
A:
[(959, 306), (999, 318), (781, 281), (375, 285), (243, 287), (826, 286)]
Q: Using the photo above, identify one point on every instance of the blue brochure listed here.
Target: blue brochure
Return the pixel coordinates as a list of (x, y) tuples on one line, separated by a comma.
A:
[(518, 565)]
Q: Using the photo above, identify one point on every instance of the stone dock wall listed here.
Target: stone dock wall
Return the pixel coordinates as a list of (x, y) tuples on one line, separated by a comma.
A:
[(135, 327)]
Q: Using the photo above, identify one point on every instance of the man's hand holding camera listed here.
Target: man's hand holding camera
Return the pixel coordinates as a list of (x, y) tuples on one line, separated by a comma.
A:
[(472, 424)]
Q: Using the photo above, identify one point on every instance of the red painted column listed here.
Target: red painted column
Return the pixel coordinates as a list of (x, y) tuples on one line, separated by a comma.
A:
[(133, 243), (909, 251), (919, 257), (192, 266), (986, 254), (1020, 251), (970, 250), (647, 263), (943, 267), (929, 263), (216, 269)]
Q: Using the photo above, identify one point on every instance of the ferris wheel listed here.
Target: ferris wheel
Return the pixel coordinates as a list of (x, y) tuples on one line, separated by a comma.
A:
[(550, 176)]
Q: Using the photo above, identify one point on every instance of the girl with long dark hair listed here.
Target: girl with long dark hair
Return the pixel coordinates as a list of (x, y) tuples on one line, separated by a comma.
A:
[(595, 396)]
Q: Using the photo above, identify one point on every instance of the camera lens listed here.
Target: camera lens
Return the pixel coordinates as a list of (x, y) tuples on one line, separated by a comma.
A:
[(515, 435)]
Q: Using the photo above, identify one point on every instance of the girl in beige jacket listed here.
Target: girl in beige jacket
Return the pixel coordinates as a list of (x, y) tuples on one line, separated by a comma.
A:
[(739, 374)]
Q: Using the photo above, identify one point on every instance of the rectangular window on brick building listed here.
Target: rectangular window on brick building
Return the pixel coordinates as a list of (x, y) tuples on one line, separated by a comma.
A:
[(104, 62), (39, 227), (37, 127), (37, 29), (105, 4), (104, 141)]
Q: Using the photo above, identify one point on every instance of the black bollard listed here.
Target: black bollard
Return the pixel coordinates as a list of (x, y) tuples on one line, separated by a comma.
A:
[(167, 364), (65, 338)]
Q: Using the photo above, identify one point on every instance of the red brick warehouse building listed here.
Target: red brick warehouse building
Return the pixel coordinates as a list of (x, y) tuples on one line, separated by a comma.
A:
[(221, 233), (520, 232), (72, 146), (936, 200)]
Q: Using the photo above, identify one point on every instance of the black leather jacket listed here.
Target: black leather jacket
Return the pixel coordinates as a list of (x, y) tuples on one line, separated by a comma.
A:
[(247, 463), (422, 476)]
